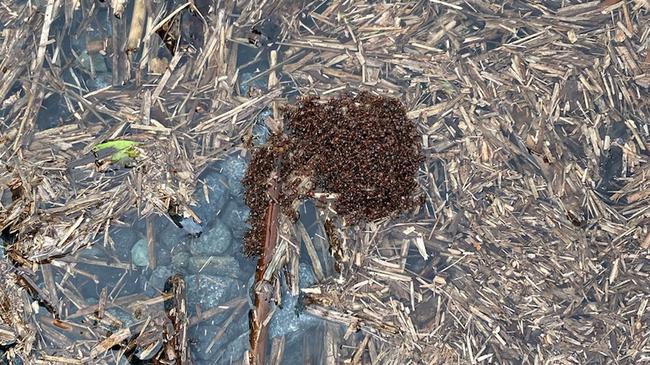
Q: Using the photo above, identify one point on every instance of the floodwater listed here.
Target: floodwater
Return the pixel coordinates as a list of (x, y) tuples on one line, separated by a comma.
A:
[(216, 272)]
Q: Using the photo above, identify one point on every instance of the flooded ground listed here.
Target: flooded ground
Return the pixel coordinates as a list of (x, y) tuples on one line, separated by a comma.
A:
[(529, 244)]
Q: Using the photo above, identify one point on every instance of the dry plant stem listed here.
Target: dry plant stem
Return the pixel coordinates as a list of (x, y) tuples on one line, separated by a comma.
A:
[(34, 98), (151, 244), (178, 315), (120, 72), (138, 21), (259, 334), (118, 7)]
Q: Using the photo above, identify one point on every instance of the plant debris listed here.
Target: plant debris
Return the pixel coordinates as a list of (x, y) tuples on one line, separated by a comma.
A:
[(532, 242)]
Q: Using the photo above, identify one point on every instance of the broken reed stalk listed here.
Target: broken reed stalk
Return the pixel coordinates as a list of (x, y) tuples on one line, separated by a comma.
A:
[(177, 313), (138, 21), (263, 294)]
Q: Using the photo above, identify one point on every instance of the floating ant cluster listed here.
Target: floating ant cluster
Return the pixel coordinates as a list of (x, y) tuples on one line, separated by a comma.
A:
[(361, 148)]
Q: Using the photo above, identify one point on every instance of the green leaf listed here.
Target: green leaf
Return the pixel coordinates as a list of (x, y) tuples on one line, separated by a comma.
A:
[(117, 144), (123, 149)]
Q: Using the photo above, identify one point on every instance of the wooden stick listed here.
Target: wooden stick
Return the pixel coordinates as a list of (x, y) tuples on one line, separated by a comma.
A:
[(263, 294), (151, 244), (178, 315), (137, 26)]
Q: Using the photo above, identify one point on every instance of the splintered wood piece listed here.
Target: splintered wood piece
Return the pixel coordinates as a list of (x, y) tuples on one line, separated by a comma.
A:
[(110, 341), (7, 336), (151, 243), (136, 30), (176, 308), (263, 295)]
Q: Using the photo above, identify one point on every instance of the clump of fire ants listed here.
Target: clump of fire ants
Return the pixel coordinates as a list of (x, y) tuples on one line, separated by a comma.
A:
[(361, 148)]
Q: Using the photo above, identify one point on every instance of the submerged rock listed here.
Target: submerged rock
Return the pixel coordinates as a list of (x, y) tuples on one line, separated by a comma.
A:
[(214, 265), (156, 283), (190, 227), (95, 62), (163, 257), (171, 236), (90, 252), (180, 260), (232, 343), (236, 348), (235, 215), (124, 239), (139, 253), (234, 168), (213, 242), (220, 184), (124, 317), (214, 183), (289, 319), (209, 291)]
